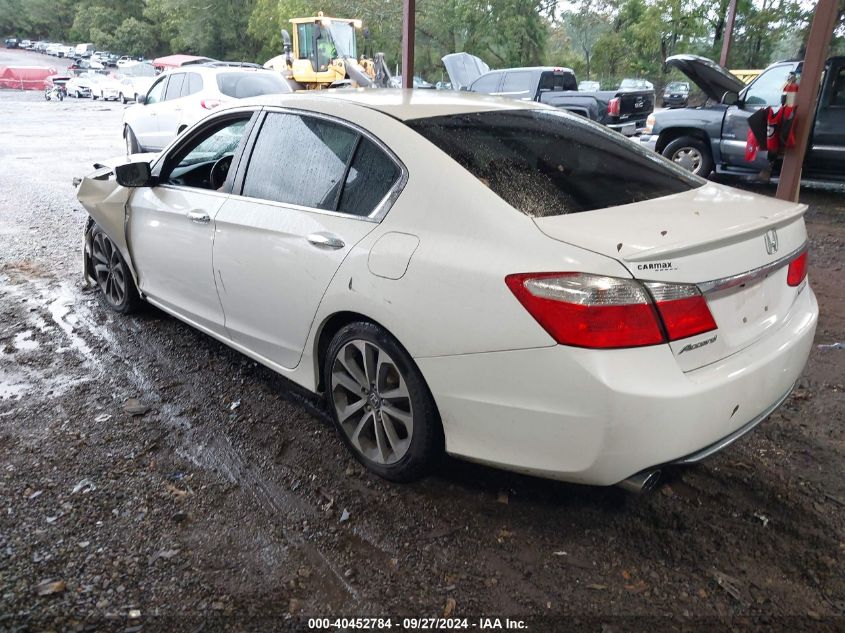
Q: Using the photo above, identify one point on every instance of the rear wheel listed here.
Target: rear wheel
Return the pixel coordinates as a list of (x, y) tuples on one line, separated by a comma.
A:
[(112, 274), (380, 404), (121, 98), (690, 153)]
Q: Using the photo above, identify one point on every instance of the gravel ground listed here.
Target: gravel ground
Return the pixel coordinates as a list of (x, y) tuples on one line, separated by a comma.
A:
[(222, 499)]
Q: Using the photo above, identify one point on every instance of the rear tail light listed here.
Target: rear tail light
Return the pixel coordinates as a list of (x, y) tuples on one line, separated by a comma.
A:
[(210, 104), (599, 312), (614, 106), (682, 308), (589, 310), (797, 271)]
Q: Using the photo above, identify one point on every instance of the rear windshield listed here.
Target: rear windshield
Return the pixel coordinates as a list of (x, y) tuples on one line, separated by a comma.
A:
[(241, 85), (547, 163)]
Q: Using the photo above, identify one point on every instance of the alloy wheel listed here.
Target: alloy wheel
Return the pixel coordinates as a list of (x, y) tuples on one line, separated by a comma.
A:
[(689, 158), (108, 269), (372, 402)]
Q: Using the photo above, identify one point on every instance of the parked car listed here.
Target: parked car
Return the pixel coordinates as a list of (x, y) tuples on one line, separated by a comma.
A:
[(713, 136), (11, 42), (79, 86), (81, 65), (636, 84), (179, 98), (53, 49), (125, 60), (419, 83), (589, 86), (107, 88), (100, 56), (134, 87), (625, 111), (27, 44), (676, 95), (84, 50), (637, 315)]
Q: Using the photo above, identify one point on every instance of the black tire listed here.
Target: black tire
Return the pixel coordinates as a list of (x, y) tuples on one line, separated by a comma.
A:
[(690, 153), (121, 98), (112, 275), (132, 145), (93, 96), (422, 447)]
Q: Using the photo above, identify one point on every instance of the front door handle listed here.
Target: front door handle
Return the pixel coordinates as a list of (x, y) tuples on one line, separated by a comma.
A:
[(200, 217), (326, 240)]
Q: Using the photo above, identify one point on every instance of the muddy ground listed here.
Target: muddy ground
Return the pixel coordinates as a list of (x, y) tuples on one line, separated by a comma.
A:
[(230, 504)]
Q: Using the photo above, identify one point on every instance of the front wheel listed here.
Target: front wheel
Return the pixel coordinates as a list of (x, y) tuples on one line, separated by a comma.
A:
[(112, 274), (132, 145), (690, 153), (380, 404)]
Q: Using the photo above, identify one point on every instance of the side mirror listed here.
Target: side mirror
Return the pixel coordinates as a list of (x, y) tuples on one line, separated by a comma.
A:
[(142, 99), (729, 98), (133, 174)]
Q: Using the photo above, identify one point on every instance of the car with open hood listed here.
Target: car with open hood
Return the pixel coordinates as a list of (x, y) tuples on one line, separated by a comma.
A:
[(500, 280), (624, 110), (712, 136)]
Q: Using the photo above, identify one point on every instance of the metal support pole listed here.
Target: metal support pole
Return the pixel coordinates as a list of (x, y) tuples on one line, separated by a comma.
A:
[(728, 34), (818, 43), (409, 15)]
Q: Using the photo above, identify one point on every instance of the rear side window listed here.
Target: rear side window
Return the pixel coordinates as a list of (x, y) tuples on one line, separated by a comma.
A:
[(174, 87), (192, 84), (312, 174), (241, 85), (517, 82), (371, 175), (547, 163)]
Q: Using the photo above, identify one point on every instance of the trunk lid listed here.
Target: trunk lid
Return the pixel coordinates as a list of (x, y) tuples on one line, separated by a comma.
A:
[(713, 80), (706, 235), (635, 104)]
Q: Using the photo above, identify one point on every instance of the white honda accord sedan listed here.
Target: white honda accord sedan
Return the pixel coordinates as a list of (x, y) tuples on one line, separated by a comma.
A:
[(497, 280)]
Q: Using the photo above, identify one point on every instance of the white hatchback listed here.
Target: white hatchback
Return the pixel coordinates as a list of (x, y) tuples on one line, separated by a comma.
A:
[(504, 281), (179, 98)]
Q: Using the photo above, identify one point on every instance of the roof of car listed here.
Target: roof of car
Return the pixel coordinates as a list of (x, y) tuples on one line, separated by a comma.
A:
[(403, 104)]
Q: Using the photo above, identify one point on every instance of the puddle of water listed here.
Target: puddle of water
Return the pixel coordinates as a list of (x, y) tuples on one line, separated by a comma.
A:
[(60, 312), (24, 341)]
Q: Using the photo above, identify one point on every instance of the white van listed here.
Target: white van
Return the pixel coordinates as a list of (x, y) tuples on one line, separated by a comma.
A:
[(84, 50)]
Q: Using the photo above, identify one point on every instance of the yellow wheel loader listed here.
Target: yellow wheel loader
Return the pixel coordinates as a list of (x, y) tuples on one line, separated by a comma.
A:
[(324, 54)]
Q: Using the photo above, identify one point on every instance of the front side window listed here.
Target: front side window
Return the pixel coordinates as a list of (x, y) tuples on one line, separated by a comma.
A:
[(174, 86), (204, 162), (487, 83), (313, 176), (768, 88), (156, 93), (335, 169), (547, 163)]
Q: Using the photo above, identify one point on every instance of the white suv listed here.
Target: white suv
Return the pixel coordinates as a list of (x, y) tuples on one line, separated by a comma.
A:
[(182, 96)]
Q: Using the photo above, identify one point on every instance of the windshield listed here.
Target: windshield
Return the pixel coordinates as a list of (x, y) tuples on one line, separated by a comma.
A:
[(546, 163), (677, 86), (343, 35)]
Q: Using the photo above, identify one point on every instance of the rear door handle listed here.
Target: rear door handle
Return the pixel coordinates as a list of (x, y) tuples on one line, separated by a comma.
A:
[(326, 240), (200, 217)]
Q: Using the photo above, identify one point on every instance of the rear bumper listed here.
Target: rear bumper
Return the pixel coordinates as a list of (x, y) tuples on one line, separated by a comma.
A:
[(598, 417)]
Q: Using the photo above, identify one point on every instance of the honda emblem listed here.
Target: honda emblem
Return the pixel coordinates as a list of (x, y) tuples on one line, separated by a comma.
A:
[(771, 240)]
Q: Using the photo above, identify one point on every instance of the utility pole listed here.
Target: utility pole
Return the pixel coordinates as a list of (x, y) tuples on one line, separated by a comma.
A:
[(409, 22), (818, 43), (728, 34)]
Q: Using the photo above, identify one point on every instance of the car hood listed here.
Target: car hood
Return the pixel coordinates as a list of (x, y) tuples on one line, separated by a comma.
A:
[(713, 80), (463, 69)]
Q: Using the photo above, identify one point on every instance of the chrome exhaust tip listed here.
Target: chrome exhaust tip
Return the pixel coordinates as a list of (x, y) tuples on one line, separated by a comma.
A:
[(642, 482)]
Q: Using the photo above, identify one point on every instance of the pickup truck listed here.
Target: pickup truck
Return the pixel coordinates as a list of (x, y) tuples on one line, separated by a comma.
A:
[(713, 136), (622, 110)]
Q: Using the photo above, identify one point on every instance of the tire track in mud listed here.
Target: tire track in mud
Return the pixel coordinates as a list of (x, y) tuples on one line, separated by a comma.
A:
[(212, 451)]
